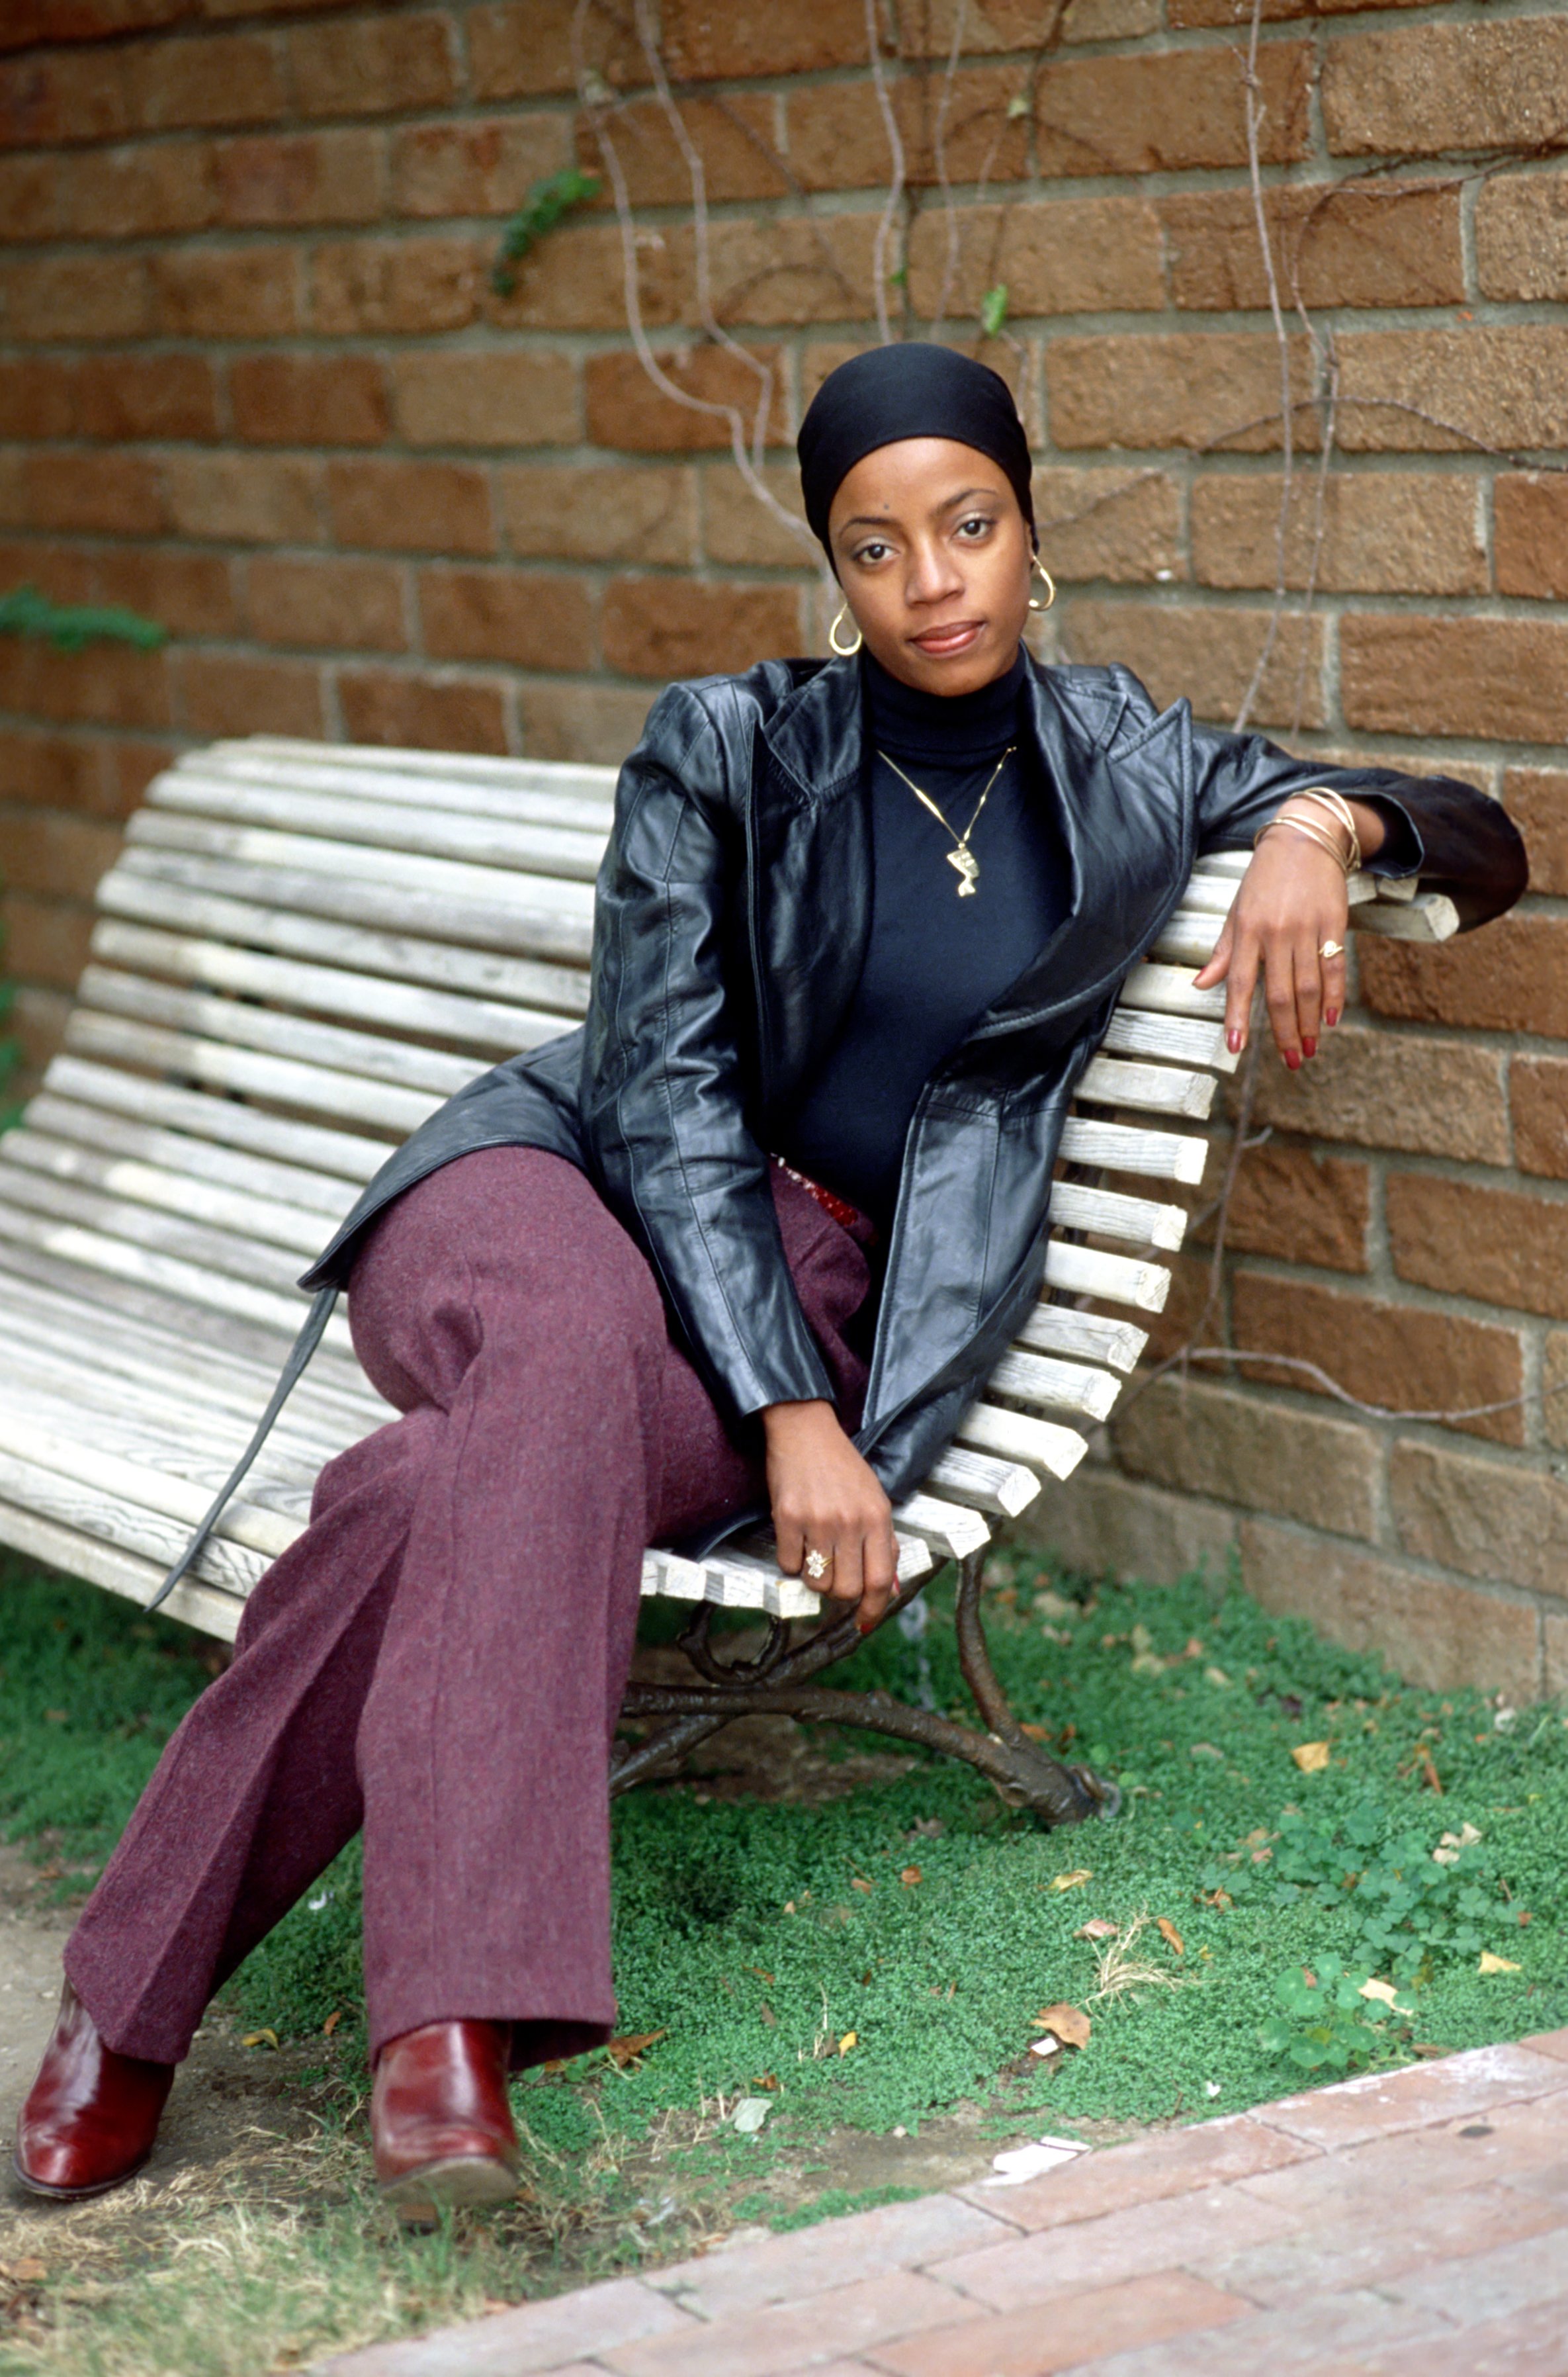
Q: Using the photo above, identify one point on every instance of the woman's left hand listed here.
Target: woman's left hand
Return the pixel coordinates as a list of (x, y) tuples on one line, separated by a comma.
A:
[(1292, 905)]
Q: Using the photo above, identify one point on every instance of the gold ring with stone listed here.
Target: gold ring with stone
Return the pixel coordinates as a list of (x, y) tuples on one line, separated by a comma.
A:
[(1332, 950), (817, 1565)]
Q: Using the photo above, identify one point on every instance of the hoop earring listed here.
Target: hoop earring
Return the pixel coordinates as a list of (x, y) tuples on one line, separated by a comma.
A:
[(1049, 582), (845, 651)]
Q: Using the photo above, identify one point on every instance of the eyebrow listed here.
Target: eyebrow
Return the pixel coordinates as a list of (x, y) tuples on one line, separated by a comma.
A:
[(870, 519)]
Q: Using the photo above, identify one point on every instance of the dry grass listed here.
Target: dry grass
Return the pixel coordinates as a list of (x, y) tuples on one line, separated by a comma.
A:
[(1122, 1967)]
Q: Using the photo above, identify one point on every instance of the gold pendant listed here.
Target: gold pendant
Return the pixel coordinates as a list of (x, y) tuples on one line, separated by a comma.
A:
[(967, 866)]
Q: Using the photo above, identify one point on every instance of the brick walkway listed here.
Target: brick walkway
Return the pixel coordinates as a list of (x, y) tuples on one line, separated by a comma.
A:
[(1412, 2225)]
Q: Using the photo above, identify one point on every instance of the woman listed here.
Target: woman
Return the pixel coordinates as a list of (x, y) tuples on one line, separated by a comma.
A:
[(860, 927)]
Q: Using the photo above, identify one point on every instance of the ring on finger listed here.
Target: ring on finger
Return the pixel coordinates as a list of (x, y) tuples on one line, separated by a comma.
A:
[(818, 1565), (1331, 949)]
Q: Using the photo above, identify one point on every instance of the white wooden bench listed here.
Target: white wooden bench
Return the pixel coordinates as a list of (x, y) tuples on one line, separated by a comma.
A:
[(301, 951)]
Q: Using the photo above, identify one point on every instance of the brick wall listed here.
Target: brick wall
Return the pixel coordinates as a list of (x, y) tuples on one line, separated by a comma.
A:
[(254, 380)]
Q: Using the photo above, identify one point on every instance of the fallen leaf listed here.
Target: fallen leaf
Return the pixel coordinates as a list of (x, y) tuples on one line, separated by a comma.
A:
[(1074, 1880), (1452, 1846), (623, 2051), (1149, 1663), (1491, 1964), (1217, 1676), (1217, 1898), (1099, 1927), (1169, 1933), (1204, 1749), (1052, 1604), (771, 1978), (28, 2271), (769, 2080), (910, 1877), (769, 2018), (330, 2025), (259, 2039), (1195, 1649), (1311, 1757), (1036, 1732), (1141, 1639), (865, 1888), (1429, 1774), (1523, 1915), (1065, 2022), (851, 2038), (1386, 1994), (749, 2115)]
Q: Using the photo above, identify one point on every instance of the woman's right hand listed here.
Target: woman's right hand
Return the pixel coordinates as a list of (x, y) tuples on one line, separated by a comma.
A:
[(828, 1499)]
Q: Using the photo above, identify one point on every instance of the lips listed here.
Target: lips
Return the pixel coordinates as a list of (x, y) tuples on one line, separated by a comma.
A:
[(956, 636)]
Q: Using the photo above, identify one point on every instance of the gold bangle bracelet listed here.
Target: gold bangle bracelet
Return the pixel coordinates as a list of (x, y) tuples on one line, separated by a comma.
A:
[(1339, 809), (1309, 832)]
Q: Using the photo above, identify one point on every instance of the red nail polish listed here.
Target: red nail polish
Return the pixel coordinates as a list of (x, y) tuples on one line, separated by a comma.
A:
[(1308, 1048), (1233, 1042), (1331, 1017), (1293, 1058)]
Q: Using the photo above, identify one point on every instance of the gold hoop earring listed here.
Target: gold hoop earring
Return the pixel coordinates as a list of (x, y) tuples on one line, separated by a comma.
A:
[(845, 651), (1049, 582)]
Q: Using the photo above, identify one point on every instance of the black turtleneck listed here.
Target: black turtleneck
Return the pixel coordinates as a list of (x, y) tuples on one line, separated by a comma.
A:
[(934, 962)]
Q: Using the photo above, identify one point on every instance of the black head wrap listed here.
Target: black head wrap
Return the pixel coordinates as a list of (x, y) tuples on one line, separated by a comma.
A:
[(911, 390)]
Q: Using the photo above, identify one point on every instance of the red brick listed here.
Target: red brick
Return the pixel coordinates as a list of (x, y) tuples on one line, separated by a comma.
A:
[(703, 41), (1300, 1207), (39, 1019), (783, 269), (1490, 1243), (553, 511), (1208, 655), (226, 292), (1437, 1634), (1236, 1446), (117, 492), (1530, 534), (44, 940), (33, 197), (69, 297), (1154, 115), (1424, 90), (577, 719), (1334, 244), (838, 141), (523, 48), (148, 396), (1536, 799), (426, 713), (1503, 679), (411, 507), (1492, 1519), (352, 605), (1059, 256), (733, 136), (55, 770), (139, 192), (244, 498), (189, 593), (61, 857), (380, 285), (736, 527), (113, 683), (1079, 2328), (223, 694), (1200, 388), (312, 177), (225, 78), (45, 102), (1398, 1356), (1539, 1086), (673, 627), (1435, 391), (1384, 1089), (451, 397), (1522, 236), (378, 64), (1554, 1421), (63, 572), (38, 398), (474, 167), (625, 409), (1512, 977), (506, 614), (1383, 533), (575, 280), (309, 400), (130, 767)]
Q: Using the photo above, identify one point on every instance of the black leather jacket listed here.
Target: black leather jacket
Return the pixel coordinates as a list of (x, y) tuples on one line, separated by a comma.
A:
[(734, 905)]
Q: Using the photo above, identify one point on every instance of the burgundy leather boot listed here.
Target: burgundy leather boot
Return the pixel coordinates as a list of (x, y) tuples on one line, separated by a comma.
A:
[(439, 2120), (92, 2116)]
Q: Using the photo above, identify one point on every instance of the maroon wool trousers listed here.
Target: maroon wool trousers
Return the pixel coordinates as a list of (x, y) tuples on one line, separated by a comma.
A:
[(441, 1656)]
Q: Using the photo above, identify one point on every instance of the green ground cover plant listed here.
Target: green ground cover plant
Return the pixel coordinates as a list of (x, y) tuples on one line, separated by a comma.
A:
[(1317, 1868)]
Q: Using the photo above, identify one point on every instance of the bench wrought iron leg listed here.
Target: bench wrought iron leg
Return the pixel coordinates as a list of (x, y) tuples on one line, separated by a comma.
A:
[(780, 1682)]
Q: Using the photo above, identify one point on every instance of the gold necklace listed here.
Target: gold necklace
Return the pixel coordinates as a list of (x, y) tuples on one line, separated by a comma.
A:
[(960, 856)]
